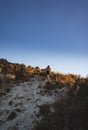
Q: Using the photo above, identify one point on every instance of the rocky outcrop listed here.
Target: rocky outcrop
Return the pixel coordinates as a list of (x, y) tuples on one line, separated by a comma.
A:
[(20, 71)]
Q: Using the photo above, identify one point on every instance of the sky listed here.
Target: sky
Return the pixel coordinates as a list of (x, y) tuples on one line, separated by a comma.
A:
[(45, 32)]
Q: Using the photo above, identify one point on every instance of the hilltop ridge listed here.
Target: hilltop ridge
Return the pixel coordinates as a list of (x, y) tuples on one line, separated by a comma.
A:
[(21, 71), (15, 72)]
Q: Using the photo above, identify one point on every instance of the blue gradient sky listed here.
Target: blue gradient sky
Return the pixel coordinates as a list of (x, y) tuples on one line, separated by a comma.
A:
[(45, 32)]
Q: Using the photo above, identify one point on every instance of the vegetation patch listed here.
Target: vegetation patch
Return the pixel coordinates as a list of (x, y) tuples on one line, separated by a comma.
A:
[(70, 113)]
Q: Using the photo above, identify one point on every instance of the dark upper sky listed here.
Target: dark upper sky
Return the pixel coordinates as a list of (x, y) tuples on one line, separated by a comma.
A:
[(44, 28)]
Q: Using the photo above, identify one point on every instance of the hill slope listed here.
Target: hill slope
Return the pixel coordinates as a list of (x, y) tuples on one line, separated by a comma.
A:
[(39, 99)]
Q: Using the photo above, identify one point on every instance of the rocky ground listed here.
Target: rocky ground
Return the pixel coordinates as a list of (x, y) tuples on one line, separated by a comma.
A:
[(19, 107)]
